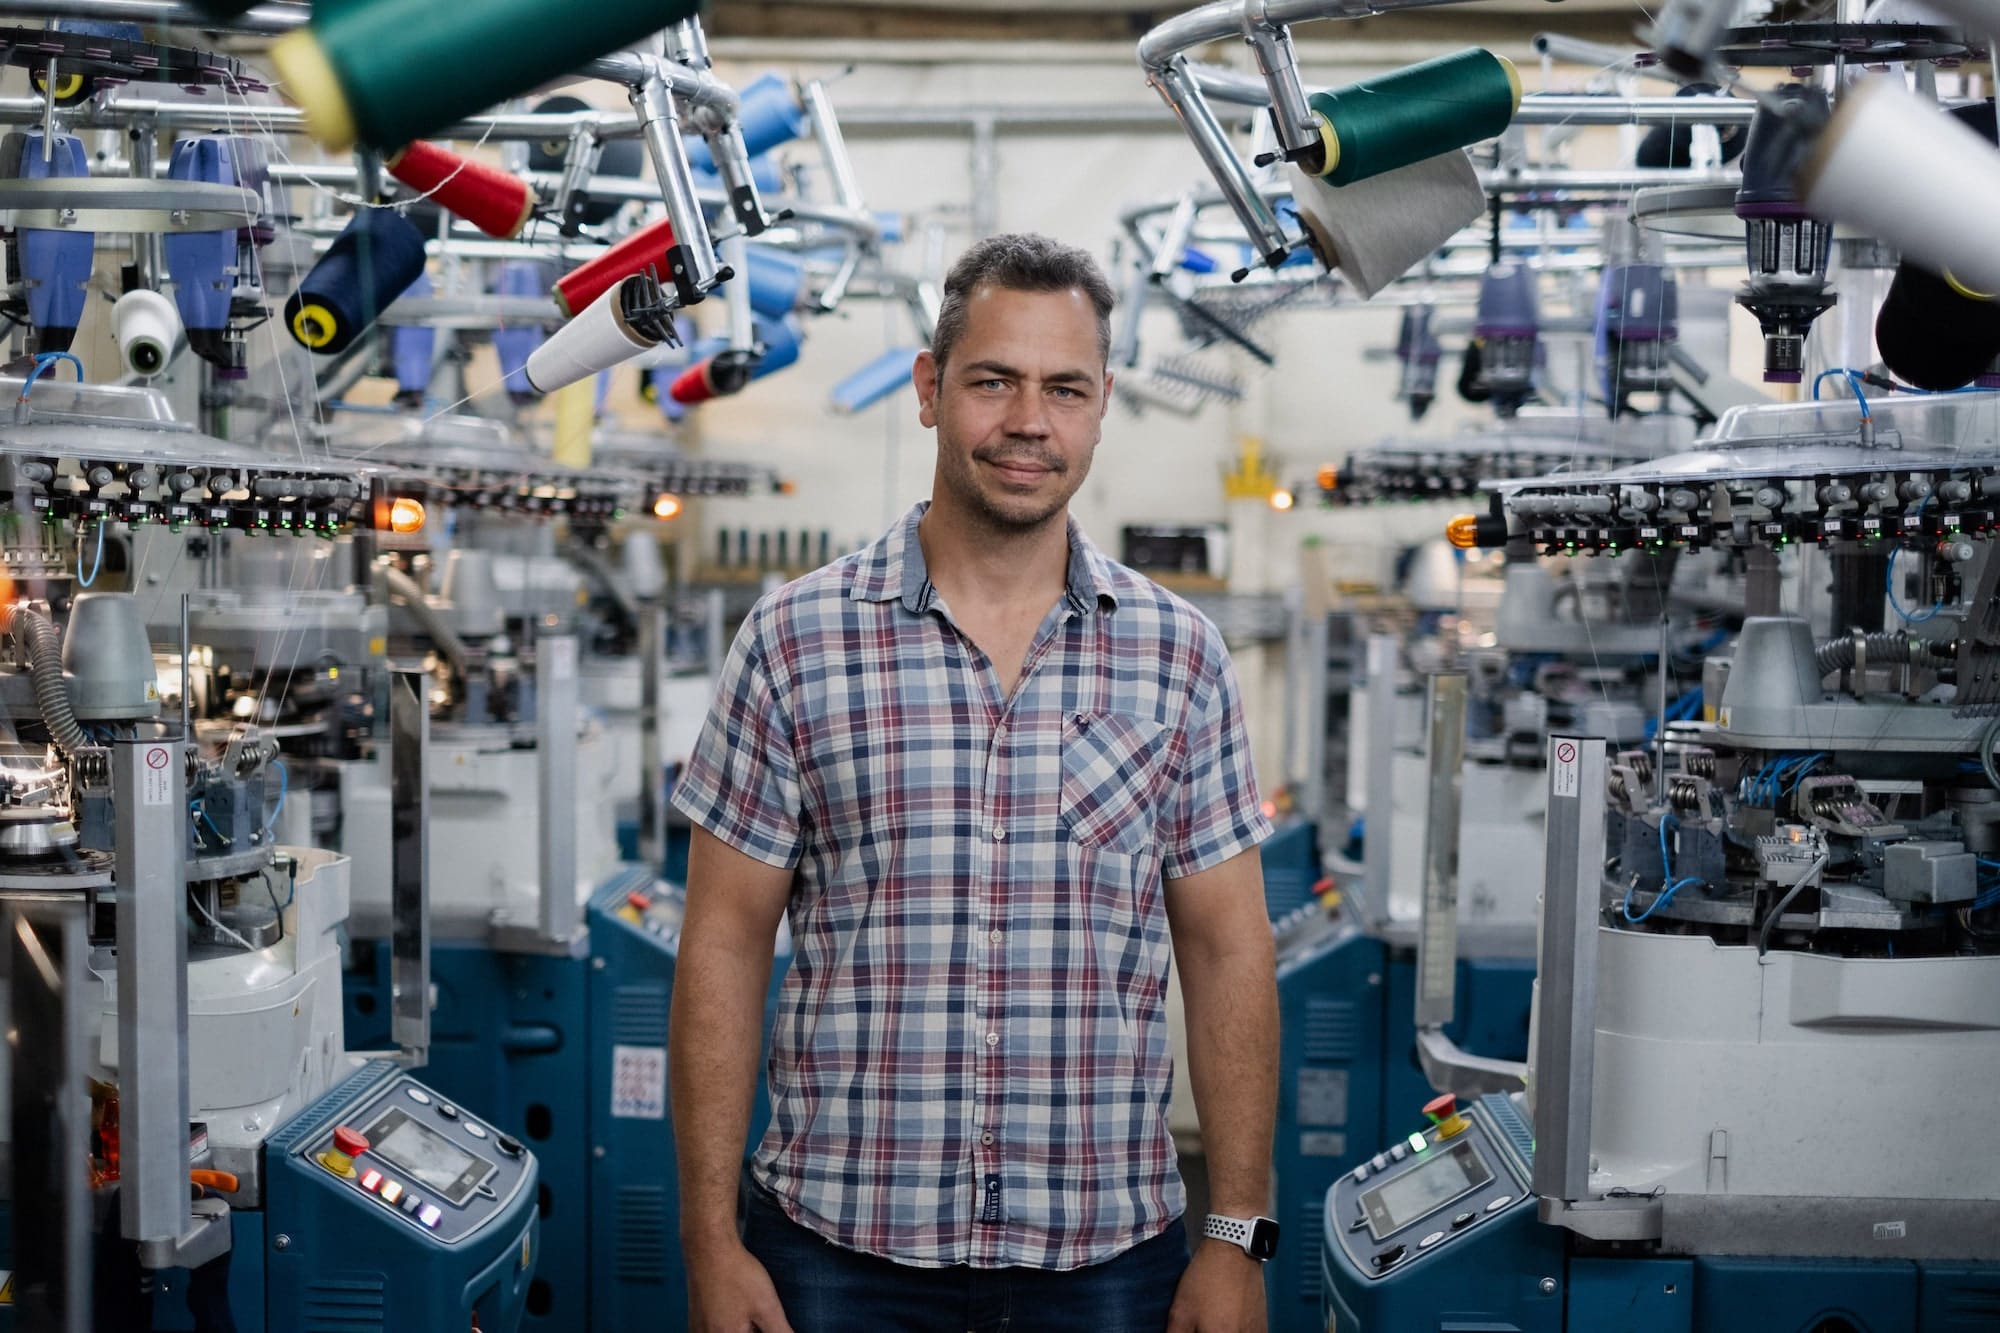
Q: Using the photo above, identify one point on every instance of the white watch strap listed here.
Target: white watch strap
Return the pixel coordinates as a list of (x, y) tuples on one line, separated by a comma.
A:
[(1235, 1230)]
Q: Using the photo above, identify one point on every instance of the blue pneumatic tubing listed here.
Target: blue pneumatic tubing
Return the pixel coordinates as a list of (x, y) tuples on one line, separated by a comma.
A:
[(875, 381)]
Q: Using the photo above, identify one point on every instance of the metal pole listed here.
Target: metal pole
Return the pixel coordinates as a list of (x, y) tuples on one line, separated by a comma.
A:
[(1563, 1053), (50, 997), (1317, 634), (691, 259), (555, 752), (712, 607), (147, 247), (985, 167), (1383, 661), (832, 145), (652, 651), (147, 789), (1181, 95), (409, 867), (1437, 934)]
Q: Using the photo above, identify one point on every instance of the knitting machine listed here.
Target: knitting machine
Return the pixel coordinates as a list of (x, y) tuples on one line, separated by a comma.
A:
[(174, 994), (1765, 940), (551, 957)]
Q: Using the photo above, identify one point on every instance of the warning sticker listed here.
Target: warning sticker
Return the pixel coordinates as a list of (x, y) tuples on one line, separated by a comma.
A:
[(639, 1082), (156, 776), (1564, 777), (6, 1286)]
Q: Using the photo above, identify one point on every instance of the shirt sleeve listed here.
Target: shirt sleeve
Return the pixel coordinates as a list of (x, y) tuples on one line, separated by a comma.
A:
[(742, 784), (1216, 813)]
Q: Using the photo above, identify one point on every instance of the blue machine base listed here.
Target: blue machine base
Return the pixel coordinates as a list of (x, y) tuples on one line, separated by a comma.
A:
[(1705, 1294), (320, 1256), (1507, 1272), (1349, 1080), (535, 1044)]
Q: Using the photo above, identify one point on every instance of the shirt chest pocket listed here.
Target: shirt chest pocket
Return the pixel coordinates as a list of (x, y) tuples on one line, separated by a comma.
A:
[(1111, 779)]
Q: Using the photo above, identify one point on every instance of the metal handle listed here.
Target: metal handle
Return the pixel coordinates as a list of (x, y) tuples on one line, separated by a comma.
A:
[(409, 868), (1563, 1052), (1437, 921), (556, 713)]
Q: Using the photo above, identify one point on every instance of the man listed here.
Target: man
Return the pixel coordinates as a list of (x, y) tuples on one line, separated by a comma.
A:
[(990, 773)]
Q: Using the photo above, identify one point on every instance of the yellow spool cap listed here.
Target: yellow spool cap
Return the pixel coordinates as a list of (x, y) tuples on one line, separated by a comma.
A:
[(311, 84), (68, 88), (1463, 531), (314, 325), (1970, 294), (1329, 146), (575, 416), (1513, 78)]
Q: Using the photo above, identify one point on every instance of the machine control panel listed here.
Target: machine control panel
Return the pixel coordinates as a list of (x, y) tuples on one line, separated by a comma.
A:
[(655, 907), (1423, 1191), (422, 1160)]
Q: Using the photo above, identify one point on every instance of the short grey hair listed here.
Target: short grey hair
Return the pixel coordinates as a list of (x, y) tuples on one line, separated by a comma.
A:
[(1020, 262)]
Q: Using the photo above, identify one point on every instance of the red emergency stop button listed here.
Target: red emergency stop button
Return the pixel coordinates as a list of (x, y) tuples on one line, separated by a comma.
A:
[(1443, 1112), (350, 1141), (638, 901)]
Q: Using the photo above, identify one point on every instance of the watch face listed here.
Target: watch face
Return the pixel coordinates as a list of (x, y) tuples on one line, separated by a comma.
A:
[(1263, 1239)]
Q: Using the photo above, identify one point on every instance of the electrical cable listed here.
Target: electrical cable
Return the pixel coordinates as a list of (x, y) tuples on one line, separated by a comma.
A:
[(43, 361), (1987, 738), (1672, 886), (1771, 921), (97, 562), (221, 929), (1889, 582), (276, 907), (284, 785), (1853, 379)]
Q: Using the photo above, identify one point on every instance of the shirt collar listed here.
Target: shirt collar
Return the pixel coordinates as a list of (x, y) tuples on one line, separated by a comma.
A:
[(892, 569)]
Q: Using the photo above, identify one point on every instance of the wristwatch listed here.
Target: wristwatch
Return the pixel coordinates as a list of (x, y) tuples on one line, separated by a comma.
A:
[(1257, 1235)]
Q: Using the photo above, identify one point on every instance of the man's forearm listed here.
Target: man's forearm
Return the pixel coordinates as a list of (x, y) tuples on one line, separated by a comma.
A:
[(1231, 1001), (715, 1036)]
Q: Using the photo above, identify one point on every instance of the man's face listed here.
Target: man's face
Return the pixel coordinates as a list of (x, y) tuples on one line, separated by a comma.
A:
[(1020, 406)]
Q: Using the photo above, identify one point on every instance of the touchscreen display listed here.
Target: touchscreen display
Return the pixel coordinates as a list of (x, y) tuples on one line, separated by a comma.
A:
[(1395, 1204), (429, 1157)]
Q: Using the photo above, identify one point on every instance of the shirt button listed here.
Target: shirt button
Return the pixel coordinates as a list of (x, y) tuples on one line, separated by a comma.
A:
[(986, 1140), (992, 1039), (992, 937), (999, 833)]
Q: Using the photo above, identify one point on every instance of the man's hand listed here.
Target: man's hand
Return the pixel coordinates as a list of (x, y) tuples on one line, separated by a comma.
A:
[(729, 1292), (1221, 1292)]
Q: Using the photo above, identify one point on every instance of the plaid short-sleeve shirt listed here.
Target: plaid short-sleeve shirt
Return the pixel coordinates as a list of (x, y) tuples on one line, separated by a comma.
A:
[(971, 1063)]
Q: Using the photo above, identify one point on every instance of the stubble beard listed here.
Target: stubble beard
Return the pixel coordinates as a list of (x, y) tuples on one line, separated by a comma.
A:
[(1003, 514)]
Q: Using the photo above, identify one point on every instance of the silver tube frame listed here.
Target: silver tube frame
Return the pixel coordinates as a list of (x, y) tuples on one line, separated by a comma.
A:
[(557, 711), (1564, 1050), (1437, 929), (150, 856)]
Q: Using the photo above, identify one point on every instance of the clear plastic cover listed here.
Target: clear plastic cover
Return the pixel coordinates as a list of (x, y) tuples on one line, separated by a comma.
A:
[(58, 400), (1900, 432)]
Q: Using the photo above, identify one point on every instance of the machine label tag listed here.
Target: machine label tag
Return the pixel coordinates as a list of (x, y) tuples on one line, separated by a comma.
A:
[(1891, 1230), (639, 1082), (1564, 774), (156, 784), (561, 653)]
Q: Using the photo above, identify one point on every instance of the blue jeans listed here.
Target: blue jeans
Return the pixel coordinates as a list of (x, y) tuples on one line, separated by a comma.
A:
[(827, 1289)]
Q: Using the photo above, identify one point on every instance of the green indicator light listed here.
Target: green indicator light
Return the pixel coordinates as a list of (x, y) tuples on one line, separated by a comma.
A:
[(1418, 1143)]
